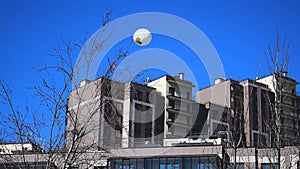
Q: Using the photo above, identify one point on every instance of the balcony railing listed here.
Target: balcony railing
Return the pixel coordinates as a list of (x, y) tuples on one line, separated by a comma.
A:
[(177, 111), (178, 98), (292, 106)]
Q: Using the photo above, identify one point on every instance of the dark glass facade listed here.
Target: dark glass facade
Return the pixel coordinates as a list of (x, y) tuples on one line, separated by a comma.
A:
[(198, 162)]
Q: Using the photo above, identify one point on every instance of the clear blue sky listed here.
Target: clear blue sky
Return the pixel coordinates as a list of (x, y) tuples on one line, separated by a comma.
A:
[(239, 30)]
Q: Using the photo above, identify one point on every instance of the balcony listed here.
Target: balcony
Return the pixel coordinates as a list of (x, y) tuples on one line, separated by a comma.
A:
[(177, 111), (288, 105), (172, 122), (170, 107), (180, 82), (290, 94), (289, 128), (181, 125), (178, 98), (289, 115)]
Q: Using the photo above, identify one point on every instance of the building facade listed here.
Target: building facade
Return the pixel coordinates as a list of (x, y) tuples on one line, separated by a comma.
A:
[(158, 125), (118, 115), (180, 111), (180, 157), (287, 106), (258, 99), (226, 110)]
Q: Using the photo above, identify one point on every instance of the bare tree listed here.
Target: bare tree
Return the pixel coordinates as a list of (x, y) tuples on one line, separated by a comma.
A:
[(236, 132), (278, 57), (55, 126)]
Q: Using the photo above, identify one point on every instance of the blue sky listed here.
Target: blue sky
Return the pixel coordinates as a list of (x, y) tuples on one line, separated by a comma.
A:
[(239, 30)]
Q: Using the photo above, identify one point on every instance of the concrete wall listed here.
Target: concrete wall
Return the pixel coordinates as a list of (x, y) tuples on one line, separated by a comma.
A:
[(217, 94)]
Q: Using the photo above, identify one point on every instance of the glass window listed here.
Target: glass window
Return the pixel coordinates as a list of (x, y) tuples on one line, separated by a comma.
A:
[(147, 97), (253, 108), (172, 163), (205, 163), (119, 106), (172, 91), (140, 163), (129, 164), (270, 166), (148, 163), (255, 139), (186, 163), (238, 166), (195, 162), (188, 108), (171, 103), (166, 163), (155, 163), (188, 95), (178, 163), (118, 164)]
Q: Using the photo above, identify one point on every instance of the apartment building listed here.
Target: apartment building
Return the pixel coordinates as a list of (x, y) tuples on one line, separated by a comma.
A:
[(180, 111), (258, 99), (16, 148), (115, 115), (253, 103), (158, 125), (142, 116), (287, 105), (22, 155), (226, 110)]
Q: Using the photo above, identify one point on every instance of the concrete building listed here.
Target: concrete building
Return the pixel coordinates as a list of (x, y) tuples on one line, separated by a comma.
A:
[(287, 105), (26, 155), (201, 156), (117, 115), (135, 114), (249, 109), (226, 110), (180, 111), (158, 125), (15, 148), (257, 101), (264, 158), (180, 157)]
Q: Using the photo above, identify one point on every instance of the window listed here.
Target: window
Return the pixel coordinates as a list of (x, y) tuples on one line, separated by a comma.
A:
[(100, 167), (172, 91), (188, 121), (188, 95), (171, 104), (186, 162), (137, 107), (147, 97), (169, 166), (188, 108), (219, 126), (293, 91), (138, 95), (167, 163), (148, 162), (172, 116), (253, 108), (270, 166), (119, 106), (238, 166)]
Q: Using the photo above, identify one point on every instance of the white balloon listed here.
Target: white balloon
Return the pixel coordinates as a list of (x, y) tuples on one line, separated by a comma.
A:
[(142, 37)]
